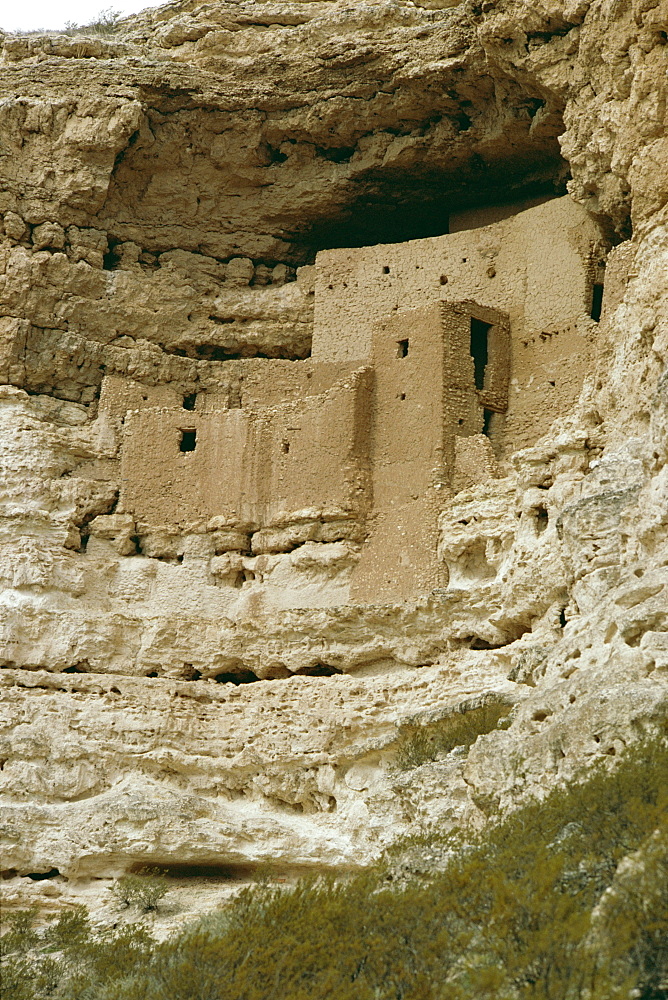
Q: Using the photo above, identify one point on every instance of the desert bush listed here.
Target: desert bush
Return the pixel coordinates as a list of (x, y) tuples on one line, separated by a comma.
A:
[(17, 979), (71, 928), (20, 935), (86, 960), (144, 889), (106, 958), (629, 931), (428, 742), (105, 23)]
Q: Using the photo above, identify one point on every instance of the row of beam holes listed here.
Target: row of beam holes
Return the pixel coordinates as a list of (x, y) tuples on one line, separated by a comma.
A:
[(596, 299), (188, 440), (491, 272)]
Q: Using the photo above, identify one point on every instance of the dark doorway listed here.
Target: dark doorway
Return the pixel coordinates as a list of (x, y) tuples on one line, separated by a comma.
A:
[(487, 422), (188, 440), (479, 349), (596, 301)]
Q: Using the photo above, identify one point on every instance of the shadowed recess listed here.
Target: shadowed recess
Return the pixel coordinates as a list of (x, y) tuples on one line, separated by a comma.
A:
[(399, 208), (237, 871)]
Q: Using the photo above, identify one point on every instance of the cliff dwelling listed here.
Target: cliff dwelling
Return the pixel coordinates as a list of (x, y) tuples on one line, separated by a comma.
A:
[(320, 481), (293, 444)]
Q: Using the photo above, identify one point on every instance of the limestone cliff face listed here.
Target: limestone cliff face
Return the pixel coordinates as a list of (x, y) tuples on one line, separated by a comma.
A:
[(164, 193)]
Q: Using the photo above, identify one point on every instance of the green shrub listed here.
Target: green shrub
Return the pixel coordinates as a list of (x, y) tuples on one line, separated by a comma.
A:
[(20, 935), (71, 928), (630, 926), (432, 740), (144, 889), (106, 23), (107, 957), (17, 979)]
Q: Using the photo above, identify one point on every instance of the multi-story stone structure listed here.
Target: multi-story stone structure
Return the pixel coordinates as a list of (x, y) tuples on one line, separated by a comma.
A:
[(319, 481), (430, 359)]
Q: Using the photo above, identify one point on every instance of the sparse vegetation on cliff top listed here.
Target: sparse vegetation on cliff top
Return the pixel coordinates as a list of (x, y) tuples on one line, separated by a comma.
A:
[(106, 22)]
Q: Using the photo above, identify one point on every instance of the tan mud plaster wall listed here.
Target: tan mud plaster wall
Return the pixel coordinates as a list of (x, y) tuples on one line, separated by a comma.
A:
[(318, 454), (248, 468), (537, 266), (409, 464), (120, 394), (425, 397), (548, 370), (465, 402), (215, 385)]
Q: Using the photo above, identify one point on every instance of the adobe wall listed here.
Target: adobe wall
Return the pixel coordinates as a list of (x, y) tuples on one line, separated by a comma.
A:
[(246, 382), (548, 369), (249, 468), (425, 397), (120, 394), (534, 266), (365, 441), (266, 382), (408, 449), (409, 424), (163, 486), (538, 266), (316, 454), (465, 402)]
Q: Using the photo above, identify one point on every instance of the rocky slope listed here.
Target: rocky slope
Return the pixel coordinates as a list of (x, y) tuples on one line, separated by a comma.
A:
[(160, 188)]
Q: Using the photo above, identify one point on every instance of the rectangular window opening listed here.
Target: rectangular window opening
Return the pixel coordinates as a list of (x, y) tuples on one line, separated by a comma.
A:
[(402, 348), (479, 349), (189, 401), (487, 421), (596, 301), (188, 440)]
